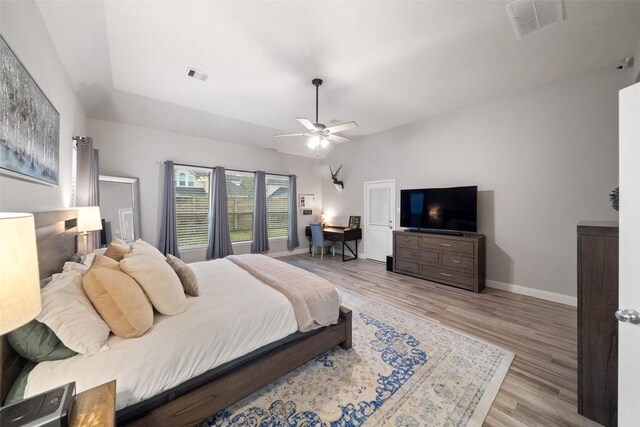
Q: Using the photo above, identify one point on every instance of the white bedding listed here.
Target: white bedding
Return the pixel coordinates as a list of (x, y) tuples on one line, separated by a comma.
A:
[(234, 315)]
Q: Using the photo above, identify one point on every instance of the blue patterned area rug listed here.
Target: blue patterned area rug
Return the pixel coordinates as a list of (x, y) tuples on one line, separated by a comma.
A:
[(403, 370)]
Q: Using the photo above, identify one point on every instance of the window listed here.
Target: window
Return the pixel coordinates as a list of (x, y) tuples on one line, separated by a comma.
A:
[(240, 205), (193, 208), (277, 206)]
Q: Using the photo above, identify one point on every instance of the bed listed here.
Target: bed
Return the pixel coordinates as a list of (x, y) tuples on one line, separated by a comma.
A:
[(197, 383)]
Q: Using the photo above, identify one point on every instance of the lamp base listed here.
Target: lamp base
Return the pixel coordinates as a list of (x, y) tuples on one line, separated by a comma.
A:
[(51, 409)]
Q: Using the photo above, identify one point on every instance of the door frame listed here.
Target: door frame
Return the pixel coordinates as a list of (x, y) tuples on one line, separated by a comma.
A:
[(366, 210)]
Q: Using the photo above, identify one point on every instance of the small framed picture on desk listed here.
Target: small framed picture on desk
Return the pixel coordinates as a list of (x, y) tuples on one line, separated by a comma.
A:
[(354, 222)]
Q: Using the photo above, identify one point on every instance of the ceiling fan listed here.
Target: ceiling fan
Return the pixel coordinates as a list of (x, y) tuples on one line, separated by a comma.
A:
[(318, 134)]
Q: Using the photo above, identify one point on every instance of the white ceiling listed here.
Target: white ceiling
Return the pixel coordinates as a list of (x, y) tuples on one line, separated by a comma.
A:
[(384, 63)]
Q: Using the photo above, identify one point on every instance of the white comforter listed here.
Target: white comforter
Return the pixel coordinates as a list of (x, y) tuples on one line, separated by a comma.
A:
[(234, 315)]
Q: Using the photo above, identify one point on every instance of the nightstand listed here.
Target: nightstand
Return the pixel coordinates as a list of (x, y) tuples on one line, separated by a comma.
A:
[(95, 407)]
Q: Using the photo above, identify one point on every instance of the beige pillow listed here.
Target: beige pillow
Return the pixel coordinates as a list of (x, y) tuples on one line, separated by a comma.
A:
[(119, 300), (100, 260), (116, 251), (140, 247), (185, 273), (159, 282), (119, 241)]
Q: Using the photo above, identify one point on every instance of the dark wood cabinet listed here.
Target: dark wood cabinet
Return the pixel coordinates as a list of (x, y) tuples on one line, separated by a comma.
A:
[(597, 325), (452, 260)]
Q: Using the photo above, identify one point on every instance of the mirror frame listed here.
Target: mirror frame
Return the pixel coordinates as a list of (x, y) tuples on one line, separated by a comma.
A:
[(135, 196)]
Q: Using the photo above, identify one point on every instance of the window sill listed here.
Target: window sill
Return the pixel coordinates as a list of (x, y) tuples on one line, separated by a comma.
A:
[(244, 243), (192, 249)]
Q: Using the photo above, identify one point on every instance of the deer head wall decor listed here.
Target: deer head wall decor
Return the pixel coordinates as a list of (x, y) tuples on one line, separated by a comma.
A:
[(334, 176)]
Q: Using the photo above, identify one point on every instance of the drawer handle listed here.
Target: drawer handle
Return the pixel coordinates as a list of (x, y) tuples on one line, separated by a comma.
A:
[(455, 261), (446, 275), (446, 244)]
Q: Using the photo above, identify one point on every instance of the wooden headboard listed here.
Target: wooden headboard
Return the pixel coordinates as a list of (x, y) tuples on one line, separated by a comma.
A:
[(56, 237)]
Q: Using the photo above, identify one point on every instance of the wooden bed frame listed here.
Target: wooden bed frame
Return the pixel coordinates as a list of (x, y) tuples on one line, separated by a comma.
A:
[(57, 241)]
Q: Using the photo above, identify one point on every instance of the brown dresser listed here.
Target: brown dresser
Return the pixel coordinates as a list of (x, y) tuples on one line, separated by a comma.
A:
[(597, 325), (452, 260)]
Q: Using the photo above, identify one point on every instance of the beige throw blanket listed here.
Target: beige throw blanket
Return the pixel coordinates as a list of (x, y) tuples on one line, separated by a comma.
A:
[(315, 300)]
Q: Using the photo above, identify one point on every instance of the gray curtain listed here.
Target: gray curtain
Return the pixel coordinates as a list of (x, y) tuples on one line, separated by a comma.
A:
[(88, 182), (292, 240), (260, 242), (219, 236), (168, 228)]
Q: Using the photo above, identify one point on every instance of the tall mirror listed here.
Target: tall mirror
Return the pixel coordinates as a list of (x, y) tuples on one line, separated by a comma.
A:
[(120, 208)]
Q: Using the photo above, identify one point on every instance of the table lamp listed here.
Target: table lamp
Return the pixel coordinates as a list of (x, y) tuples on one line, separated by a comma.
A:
[(19, 277), (88, 220), (19, 304)]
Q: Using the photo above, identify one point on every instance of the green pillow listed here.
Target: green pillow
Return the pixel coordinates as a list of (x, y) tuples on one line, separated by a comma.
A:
[(16, 393), (37, 343)]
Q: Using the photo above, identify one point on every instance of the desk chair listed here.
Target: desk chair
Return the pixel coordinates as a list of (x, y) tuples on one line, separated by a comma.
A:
[(317, 240)]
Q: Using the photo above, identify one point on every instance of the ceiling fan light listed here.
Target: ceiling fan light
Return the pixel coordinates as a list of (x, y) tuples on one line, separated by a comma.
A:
[(324, 142), (313, 141)]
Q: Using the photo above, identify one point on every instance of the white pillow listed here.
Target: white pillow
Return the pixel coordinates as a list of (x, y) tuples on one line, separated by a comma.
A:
[(159, 282), (74, 266), (140, 247), (71, 316), (89, 258)]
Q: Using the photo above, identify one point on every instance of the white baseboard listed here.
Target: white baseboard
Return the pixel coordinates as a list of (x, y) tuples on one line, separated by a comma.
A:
[(536, 293), (287, 253)]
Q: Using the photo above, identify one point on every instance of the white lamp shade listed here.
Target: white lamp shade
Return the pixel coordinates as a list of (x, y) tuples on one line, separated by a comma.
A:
[(19, 277), (89, 219)]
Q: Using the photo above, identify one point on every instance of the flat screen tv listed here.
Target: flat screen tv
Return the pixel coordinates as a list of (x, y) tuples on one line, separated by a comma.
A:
[(440, 209)]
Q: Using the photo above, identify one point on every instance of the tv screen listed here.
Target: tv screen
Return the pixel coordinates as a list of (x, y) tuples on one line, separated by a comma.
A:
[(452, 209)]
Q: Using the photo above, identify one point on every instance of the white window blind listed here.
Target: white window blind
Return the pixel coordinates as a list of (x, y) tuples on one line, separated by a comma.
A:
[(277, 205), (240, 205), (193, 207)]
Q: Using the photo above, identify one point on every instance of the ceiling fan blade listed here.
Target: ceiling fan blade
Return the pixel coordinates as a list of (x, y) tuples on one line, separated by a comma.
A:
[(306, 123), (337, 138), (290, 134), (342, 127)]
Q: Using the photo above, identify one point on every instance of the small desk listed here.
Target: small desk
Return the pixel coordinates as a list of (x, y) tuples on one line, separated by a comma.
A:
[(340, 234)]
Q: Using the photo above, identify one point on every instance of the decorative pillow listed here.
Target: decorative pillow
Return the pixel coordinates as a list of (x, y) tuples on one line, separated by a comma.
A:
[(119, 241), (119, 300), (117, 251), (105, 261), (159, 282), (70, 315), (36, 342), (140, 247), (185, 274)]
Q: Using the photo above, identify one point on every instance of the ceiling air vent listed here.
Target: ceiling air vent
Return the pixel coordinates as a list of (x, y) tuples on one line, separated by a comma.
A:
[(196, 74), (531, 16)]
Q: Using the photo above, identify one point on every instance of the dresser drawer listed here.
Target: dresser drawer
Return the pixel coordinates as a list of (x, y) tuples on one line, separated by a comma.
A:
[(419, 255), (407, 266), (462, 279), (406, 240), (448, 245), (457, 261)]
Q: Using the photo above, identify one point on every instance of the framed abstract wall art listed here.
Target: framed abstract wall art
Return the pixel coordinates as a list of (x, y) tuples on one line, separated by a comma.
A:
[(29, 124)]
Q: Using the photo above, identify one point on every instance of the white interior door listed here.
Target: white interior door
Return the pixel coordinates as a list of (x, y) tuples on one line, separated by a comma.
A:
[(379, 219), (629, 331)]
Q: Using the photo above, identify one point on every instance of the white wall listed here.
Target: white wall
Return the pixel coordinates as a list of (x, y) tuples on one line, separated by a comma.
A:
[(135, 151), (635, 71), (22, 27), (543, 160)]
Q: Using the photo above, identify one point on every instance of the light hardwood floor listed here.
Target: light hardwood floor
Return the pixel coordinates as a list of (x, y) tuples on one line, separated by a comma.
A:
[(540, 388)]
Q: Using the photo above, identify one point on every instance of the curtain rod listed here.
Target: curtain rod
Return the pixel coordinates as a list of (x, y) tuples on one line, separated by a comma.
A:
[(233, 170)]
